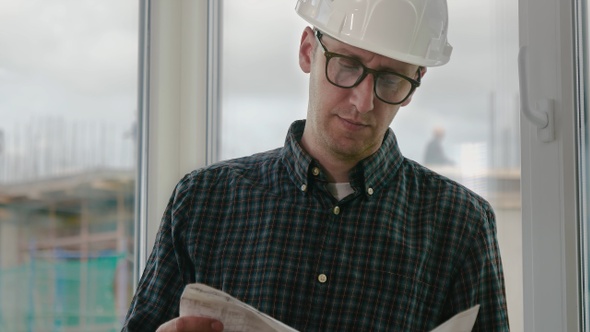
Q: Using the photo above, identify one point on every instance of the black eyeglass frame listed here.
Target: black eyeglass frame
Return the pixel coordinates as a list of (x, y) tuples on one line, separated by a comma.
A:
[(415, 83)]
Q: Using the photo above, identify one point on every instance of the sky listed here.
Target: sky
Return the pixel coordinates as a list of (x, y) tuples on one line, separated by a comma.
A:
[(56, 55), (68, 85), (76, 60)]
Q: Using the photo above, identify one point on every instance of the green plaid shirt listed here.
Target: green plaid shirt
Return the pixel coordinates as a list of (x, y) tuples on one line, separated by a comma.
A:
[(406, 251)]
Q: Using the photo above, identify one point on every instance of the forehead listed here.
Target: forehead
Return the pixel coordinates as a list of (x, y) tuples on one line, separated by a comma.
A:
[(370, 59)]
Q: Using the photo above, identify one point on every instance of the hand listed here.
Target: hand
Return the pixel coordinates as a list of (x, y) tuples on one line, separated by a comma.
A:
[(191, 324)]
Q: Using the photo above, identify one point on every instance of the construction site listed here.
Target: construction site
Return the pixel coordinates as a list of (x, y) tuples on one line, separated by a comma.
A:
[(66, 234)]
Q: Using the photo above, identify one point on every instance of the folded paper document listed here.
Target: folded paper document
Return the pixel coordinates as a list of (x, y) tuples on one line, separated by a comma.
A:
[(237, 316), (461, 322)]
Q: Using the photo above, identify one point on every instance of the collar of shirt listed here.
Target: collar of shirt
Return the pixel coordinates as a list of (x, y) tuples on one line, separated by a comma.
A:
[(368, 176)]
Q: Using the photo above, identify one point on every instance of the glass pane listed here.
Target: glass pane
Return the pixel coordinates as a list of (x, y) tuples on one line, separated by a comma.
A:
[(470, 104), (67, 163), (262, 86)]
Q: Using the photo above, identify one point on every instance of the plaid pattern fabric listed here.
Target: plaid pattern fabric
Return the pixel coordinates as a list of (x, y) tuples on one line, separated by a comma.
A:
[(405, 252)]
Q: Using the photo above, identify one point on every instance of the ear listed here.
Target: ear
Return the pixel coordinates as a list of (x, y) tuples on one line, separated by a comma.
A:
[(422, 73), (306, 48)]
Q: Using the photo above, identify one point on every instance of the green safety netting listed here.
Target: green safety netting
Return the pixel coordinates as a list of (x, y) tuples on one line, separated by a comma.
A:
[(66, 294)]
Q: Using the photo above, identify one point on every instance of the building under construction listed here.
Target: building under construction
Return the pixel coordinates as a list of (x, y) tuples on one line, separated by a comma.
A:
[(66, 252)]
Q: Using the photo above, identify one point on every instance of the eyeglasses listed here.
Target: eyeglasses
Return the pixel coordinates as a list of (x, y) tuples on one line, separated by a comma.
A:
[(347, 72)]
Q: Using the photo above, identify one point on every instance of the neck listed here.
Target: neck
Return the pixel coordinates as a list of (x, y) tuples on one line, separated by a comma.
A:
[(336, 167), (337, 171)]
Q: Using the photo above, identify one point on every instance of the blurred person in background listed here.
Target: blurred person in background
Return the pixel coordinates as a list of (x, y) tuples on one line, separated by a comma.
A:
[(435, 154)]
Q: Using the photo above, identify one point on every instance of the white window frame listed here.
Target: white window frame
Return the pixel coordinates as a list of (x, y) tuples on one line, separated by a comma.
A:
[(180, 90), (176, 91), (550, 184)]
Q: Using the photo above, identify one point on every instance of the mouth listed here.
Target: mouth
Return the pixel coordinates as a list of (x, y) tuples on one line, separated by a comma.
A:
[(352, 124)]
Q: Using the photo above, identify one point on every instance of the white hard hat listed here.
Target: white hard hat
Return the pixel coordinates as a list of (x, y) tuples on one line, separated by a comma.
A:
[(411, 31)]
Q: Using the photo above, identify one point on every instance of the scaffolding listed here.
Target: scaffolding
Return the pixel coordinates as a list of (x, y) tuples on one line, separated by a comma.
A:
[(66, 252), (60, 294)]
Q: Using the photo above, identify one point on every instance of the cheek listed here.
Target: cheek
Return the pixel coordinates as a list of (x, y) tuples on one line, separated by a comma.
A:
[(386, 115), (322, 94)]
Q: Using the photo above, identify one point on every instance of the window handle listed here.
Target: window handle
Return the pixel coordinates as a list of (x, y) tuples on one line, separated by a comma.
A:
[(542, 117)]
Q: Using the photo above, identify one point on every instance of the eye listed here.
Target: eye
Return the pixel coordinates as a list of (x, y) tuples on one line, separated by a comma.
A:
[(390, 80), (349, 64)]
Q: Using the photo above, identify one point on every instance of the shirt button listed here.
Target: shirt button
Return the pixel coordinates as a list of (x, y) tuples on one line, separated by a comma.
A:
[(322, 278), (370, 191), (336, 210), (303, 187), (315, 171)]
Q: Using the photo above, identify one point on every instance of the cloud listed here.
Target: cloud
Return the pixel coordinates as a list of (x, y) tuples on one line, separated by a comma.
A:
[(87, 46)]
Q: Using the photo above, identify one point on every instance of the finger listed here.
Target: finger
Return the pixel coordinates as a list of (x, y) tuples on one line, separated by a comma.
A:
[(191, 324)]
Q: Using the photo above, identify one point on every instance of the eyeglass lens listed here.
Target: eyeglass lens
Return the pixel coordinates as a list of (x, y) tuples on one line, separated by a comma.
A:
[(347, 72)]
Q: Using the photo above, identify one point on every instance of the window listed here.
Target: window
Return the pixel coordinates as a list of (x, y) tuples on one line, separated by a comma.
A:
[(262, 88), (68, 136)]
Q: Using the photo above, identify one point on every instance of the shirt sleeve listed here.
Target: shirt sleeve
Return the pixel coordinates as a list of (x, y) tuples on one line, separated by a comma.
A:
[(481, 279), (157, 297)]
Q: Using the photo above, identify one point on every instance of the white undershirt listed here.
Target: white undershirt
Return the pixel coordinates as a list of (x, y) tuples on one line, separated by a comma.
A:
[(340, 190)]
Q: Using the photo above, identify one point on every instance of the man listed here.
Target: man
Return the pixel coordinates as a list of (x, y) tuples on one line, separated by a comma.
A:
[(435, 154), (335, 231)]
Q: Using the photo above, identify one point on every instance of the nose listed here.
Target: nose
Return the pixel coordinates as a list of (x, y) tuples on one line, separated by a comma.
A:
[(362, 96)]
